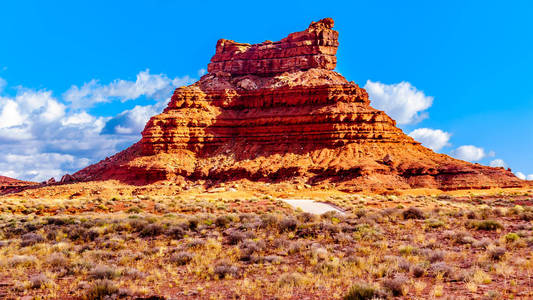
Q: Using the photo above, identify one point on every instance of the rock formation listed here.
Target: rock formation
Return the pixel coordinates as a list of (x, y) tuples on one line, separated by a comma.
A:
[(277, 111), (8, 185)]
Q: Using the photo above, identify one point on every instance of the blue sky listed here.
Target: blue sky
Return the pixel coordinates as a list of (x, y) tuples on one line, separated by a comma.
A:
[(80, 78)]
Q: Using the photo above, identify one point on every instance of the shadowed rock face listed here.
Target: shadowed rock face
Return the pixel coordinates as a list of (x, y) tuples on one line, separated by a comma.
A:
[(276, 111)]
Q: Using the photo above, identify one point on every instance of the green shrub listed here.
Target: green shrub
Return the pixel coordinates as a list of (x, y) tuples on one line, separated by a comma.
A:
[(511, 237)]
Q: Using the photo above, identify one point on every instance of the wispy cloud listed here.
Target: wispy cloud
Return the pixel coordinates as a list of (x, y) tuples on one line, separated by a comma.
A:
[(153, 86)]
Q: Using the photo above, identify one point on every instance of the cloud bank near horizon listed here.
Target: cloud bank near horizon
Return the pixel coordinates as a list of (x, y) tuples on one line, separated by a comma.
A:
[(43, 136)]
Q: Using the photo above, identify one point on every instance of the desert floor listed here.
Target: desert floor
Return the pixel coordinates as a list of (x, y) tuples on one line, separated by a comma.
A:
[(242, 241)]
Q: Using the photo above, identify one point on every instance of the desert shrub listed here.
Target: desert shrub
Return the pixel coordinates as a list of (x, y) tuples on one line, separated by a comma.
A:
[(287, 224), (100, 289), (137, 224), (440, 268), (134, 210), (496, 253), (460, 237), (181, 258), (404, 265), (56, 221), (195, 243), (57, 260), (249, 246), (306, 217), (226, 269), (104, 272), (235, 236), (483, 243), (290, 279), (485, 225), (395, 285), (362, 292), (38, 281), (437, 255), (76, 233), (295, 247), (319, 252), (22, 260), (413, 213), (268, 221), (151, 230), (527, 215), (407, 250), (193, 223), (471, 214), (223, 221), (511, 237), (132, 273), (30, 239), (418, 270), (273, 259), (435, 223), (175, 232)]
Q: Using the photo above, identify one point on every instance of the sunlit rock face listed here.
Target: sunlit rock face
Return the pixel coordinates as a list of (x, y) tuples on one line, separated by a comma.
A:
[(277, 111)]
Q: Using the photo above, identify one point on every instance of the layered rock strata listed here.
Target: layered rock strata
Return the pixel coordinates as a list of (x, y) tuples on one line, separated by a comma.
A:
[(277, 111), (314, 47)]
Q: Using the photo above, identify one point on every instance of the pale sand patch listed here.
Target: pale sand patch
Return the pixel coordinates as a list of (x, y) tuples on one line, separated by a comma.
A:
[(311, 206)]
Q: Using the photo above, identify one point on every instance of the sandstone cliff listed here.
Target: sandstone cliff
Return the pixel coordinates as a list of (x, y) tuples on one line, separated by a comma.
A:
[(277, 111)]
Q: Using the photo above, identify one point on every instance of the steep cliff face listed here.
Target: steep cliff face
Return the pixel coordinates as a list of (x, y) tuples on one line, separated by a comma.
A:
[(277, 111)]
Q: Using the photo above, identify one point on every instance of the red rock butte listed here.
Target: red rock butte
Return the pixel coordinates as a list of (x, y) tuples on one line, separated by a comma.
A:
[(275, 112)]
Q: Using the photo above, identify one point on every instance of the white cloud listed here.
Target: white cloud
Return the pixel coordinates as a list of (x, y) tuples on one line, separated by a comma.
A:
[(469, 153), (520, 175), (434, 139), (43, 137), (530, 177), (153, 86), (498, 163), (38, 166), (401, 101), (201, 72)]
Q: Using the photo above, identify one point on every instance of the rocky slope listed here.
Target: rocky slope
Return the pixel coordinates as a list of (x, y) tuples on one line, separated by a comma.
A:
[(277, 111), (8, 185)]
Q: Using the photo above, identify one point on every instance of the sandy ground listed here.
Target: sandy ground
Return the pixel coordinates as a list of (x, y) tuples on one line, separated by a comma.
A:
[(311, 206)]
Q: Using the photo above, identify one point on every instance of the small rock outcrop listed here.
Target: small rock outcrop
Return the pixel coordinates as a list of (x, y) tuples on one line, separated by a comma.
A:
[(277, 111), (9, 185)]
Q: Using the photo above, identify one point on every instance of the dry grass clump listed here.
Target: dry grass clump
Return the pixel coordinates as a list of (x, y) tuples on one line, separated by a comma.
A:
[(100, 289), (363, 292), (39, 281), (291, 279)]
